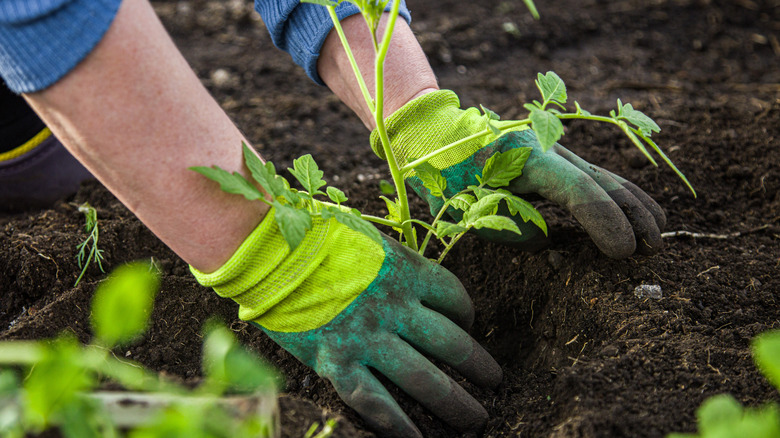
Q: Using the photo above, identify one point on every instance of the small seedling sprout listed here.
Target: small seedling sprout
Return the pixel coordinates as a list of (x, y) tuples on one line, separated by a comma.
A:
[(88, 251)]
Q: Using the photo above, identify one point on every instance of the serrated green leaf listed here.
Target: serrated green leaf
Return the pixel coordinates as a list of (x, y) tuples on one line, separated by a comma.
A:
[(354, 221), (336, 195), (462, 201), (292, 223), (645, 124), (123, 303), (552, 87), (494, 130), (432, 179), (233, 183), (306, 171), (501, 168), (526, 211), (444, 229), (393, 212), (495, 222), (489, 114), (548, 128), (386, 187), (484, 207), (480, 192), (531, 108), (265, 174)]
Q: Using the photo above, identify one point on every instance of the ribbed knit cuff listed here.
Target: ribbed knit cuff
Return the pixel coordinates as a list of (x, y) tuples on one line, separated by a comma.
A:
[(300, 29), (430, 122), (263, 271), (41, 41)]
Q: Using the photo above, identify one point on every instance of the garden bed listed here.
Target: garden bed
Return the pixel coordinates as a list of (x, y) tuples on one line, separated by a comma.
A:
[(583, 356)]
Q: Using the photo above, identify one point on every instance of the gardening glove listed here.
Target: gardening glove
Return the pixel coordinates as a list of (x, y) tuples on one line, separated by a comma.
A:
[(345, 305), (620, 218), (38, 173)]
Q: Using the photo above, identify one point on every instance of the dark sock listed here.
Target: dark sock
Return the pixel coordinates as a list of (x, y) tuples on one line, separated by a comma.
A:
[(18, 122)]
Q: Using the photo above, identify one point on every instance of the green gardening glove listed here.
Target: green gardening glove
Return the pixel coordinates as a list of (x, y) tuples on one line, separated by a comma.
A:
[(619, 217), (345, 305)]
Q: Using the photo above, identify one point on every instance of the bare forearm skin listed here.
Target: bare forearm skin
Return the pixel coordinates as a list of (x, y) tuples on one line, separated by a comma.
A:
[(135, 114), (407, 71)]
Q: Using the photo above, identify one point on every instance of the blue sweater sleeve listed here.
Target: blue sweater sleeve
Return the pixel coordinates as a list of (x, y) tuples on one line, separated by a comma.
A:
[(300, 28), (42, 40)]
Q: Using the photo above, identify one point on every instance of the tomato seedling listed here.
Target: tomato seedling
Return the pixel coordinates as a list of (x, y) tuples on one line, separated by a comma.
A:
[(478, 203)]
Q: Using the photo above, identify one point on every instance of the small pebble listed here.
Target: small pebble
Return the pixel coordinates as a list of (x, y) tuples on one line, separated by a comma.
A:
[(554, 258), (648, 291), (221, 78)]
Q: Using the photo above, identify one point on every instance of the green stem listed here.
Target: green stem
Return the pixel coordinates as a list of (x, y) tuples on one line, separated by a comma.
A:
[(20, 352), (425, 225), (424, 245), (352, 62), (89, 258), (131, 376), (449, 247), (398, 176), (381, 220), (425, 158), (97, 359), (438, 217)]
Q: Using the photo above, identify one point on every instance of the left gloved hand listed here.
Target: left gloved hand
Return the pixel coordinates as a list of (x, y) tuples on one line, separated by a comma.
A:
[(620, 218), (348, 306)]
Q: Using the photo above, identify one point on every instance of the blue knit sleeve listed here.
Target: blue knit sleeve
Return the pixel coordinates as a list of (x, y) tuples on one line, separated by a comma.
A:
[(300, 28), (42, 40)]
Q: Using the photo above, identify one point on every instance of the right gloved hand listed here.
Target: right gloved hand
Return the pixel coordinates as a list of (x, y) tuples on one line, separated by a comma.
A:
[(343, 304), (621, 219)]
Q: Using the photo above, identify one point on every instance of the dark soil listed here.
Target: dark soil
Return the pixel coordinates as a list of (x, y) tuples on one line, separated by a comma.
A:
[(582, 355)]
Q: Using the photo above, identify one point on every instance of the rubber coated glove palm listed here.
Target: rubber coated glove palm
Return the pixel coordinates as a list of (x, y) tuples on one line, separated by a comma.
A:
[(620, 218), (344, 304)]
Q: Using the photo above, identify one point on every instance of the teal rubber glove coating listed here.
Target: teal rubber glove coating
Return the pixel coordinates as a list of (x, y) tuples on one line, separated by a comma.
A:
[(413, 308), (343, 303), (620, 218)]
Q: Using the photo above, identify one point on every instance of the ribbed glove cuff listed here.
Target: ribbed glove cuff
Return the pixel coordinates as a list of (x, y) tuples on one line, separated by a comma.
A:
[(263, 271), (426, 124)]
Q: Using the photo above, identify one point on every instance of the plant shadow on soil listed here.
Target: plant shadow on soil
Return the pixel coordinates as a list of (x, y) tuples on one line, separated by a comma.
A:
[(582, 355)]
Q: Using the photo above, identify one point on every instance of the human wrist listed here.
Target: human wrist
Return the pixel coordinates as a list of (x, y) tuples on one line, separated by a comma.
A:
[(407, 73)]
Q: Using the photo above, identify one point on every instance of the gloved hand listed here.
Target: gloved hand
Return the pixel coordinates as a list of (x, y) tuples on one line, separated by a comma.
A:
[(620, 218), (344, 304)]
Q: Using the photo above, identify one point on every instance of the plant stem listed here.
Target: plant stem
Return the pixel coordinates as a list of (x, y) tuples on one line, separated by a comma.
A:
[(381, 220), (398, 176), (438, 217), (449, 247), (97, 359), (425, 158), (20, 352), (351, 57)]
